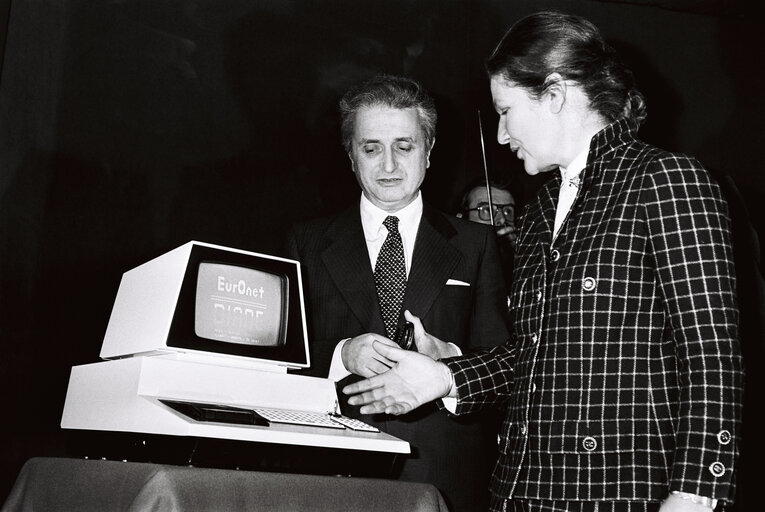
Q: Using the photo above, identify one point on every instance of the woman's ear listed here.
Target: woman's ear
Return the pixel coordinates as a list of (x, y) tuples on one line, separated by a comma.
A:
[(555, 90)]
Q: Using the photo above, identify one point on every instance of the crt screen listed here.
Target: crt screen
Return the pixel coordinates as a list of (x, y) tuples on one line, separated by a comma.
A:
[(240, 305)]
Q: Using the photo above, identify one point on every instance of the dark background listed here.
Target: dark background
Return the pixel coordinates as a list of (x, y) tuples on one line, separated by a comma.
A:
[(129, 127)]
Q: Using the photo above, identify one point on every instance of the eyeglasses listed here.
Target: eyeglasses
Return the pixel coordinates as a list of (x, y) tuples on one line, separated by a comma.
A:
[(508, 210)]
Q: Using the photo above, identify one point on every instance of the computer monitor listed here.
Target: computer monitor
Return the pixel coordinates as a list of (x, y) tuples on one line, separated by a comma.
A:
[(206, 301), (198, 345)]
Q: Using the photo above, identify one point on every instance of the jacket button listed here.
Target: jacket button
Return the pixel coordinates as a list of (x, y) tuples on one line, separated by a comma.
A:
[(589, 443), (717, 468), (588, 284), (723, 437), (534, 338), (538, 295), (555, 255)]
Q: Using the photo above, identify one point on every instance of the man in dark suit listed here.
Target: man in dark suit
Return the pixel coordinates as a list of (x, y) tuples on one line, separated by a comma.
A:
[(453, 281)]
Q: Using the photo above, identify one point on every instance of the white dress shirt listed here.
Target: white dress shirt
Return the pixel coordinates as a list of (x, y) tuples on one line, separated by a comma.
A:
[(568, 188), (375, 234)]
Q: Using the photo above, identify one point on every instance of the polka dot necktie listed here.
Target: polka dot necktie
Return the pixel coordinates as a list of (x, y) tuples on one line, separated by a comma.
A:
[(390, 276)]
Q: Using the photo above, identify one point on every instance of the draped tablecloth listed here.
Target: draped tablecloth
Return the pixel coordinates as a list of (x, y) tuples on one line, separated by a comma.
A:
[(63, 484)]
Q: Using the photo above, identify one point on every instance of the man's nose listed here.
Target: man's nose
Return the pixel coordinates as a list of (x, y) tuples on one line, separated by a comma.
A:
[(389, 163)]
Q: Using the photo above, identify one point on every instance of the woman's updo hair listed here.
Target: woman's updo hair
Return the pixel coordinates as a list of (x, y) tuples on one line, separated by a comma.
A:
[(552, 42)]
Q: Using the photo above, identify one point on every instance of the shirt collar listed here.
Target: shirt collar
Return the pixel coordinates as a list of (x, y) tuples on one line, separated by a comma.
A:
[(372, 217), (576, 165)]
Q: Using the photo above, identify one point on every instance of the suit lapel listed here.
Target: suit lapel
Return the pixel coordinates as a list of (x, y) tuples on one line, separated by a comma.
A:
[(433, 262), (347, 261)]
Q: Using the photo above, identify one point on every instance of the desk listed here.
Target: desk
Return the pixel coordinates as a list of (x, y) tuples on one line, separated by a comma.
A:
[(59, 484), (203, 452), (124, 395)]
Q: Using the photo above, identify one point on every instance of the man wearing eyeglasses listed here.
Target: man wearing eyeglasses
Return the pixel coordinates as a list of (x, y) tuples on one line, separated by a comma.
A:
[(475, 207)]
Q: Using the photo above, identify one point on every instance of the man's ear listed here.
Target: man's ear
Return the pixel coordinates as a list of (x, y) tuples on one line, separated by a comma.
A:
[(353, 162), (427, 158), (555, 92)]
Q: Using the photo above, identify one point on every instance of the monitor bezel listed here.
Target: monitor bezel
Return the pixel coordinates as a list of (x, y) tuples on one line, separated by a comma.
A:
[(182, 335)]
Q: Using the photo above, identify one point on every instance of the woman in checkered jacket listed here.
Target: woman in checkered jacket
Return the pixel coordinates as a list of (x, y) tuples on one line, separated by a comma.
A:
[(623, 376)]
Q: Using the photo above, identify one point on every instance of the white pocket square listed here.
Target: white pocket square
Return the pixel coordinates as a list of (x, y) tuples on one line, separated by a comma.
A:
[(455, 282)]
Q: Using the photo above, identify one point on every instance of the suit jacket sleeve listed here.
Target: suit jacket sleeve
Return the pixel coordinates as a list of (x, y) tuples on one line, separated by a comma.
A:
[(482, 379), (689, 229)]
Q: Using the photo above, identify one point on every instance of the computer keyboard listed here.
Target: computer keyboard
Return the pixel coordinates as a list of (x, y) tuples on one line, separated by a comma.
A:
[(263, 415), (353, 424), (313, 419)]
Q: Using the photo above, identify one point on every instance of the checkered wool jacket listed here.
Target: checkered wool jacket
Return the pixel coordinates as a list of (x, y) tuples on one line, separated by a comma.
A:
[(623, 375)]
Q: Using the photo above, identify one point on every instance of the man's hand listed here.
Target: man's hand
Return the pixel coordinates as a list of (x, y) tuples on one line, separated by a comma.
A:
[(427, 344), (413, 380), (360, 358)]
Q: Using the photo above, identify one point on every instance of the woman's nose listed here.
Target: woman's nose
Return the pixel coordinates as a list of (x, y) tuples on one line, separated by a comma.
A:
[(502, 136)]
